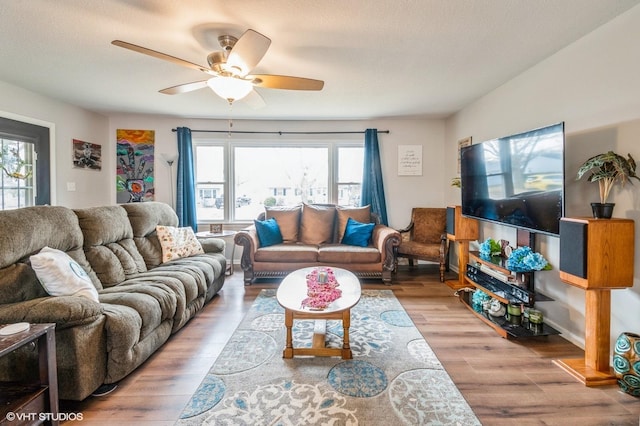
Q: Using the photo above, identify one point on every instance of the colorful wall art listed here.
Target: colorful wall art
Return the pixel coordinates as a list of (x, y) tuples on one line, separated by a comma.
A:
[(87, 155), (134, 172)]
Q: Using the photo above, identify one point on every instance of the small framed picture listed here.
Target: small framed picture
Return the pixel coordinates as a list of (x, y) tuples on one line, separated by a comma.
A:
[(215, 228), (87, 155)]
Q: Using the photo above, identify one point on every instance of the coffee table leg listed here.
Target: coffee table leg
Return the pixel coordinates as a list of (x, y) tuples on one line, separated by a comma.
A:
[(288, 323), (346, 323)]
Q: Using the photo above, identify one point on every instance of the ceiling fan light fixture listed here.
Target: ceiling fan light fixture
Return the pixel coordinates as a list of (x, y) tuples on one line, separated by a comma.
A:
[(230, 88)]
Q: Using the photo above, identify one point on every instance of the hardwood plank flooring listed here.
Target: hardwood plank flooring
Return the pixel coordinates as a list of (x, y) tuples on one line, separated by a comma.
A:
[(504, 381)]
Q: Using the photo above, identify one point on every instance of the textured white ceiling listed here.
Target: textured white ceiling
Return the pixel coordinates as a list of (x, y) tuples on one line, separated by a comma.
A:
[(377, 58)]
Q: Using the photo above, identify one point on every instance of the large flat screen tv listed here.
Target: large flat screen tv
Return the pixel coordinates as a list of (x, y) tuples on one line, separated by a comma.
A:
[(516, 180)]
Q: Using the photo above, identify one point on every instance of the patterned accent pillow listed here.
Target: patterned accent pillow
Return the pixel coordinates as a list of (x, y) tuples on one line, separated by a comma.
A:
[(60, 275), (177, 243)]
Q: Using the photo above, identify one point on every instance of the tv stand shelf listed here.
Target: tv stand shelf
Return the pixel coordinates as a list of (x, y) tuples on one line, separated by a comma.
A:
[(503, 327), (507, 292)]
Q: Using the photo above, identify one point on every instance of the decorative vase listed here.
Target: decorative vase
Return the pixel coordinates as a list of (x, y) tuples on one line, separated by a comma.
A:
[(626, 363), (602, 210)]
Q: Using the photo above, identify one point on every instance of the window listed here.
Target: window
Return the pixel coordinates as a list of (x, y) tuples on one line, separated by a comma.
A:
[(24, 160), (349, 182), (210, 182), (16, 180), (260, 175)]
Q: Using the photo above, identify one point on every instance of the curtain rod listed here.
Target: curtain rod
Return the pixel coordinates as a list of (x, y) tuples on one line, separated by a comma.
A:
[(279, 132)]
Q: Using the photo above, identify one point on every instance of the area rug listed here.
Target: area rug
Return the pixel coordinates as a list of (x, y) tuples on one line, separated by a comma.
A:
[(394, 377)]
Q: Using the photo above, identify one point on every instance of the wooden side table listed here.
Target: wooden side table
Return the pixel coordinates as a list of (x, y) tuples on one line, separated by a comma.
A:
[(227, 236), (28, 403)]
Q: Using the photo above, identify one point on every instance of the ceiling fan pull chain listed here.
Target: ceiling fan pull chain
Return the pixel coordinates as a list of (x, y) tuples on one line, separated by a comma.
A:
[(230, 119)]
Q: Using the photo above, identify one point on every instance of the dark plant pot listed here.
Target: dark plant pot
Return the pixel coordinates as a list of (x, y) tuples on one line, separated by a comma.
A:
[(602, 211)]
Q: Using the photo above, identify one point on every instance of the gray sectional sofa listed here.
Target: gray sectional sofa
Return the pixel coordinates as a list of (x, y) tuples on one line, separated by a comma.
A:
[(142, 300)]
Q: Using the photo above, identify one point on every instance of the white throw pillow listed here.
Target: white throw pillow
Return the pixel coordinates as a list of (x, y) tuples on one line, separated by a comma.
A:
[(177, 242), (60, 275)]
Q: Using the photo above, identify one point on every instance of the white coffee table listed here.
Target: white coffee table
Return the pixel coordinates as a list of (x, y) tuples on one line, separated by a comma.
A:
[(293, 290)]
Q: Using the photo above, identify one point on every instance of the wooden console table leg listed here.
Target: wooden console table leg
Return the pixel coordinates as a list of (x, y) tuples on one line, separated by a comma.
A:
[(463, 260), (598, 320), (346, 323), (594, 369), (288, 323)]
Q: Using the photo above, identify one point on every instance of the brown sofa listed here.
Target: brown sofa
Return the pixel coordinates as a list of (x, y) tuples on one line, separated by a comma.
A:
[(141, 300), (312, 236)]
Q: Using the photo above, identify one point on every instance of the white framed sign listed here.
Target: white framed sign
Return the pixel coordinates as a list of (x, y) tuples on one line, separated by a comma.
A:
[(409, 160)]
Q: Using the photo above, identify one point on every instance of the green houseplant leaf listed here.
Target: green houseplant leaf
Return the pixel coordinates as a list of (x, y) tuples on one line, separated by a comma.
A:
[(607, 169)]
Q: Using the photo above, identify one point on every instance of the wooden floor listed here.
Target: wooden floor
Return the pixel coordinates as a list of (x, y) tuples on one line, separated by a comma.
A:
[(504, 381)]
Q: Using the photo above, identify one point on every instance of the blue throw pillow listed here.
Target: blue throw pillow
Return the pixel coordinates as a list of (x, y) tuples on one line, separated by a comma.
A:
[(357, 234), (268, 232)]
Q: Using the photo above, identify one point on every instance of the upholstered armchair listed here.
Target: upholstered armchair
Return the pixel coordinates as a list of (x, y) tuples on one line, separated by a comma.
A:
[(425, 238)]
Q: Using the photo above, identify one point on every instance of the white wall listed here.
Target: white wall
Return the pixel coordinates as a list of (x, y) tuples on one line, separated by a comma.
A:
[(402, 192), (592, 85), (94, 188), (68, 122)]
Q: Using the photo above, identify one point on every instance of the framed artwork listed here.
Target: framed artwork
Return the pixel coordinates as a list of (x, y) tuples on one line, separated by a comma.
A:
[(462, 143), (134, 165), (86, 155), (409, 160), (215, 228)]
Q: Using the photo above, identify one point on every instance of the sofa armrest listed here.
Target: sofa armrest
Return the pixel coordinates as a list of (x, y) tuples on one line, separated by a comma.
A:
[(64, 311), (385, 239), (212, 245), (248, 239)]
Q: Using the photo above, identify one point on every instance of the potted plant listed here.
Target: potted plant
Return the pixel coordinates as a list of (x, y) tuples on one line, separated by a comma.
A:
[(607, 169)]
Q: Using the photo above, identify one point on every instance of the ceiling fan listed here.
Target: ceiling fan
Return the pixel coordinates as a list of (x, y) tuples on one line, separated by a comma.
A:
[(230, 68)]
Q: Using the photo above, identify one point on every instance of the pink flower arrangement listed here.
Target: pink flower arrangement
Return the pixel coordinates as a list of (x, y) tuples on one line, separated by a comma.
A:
[(321, 289)]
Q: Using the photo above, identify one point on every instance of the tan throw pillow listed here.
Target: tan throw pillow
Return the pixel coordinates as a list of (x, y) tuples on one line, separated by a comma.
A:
[(177, 242), (316, 224), (359, 214), (288, 219)]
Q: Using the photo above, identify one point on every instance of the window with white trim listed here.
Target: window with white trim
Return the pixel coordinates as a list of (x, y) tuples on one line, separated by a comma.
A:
[(24, 164), (16, 174), (236, 180)]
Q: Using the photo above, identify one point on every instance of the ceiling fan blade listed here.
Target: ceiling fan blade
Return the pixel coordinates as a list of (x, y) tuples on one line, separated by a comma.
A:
[(254, 100), (285, 82), (184, 88), (162, 56), (248, 51)]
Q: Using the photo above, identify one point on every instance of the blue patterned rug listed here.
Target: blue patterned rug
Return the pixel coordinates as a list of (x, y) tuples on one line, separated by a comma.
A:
[(394, 377)]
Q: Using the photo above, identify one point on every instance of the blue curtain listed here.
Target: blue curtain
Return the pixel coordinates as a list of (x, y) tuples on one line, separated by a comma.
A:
[(372, 187), (186, 184)]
